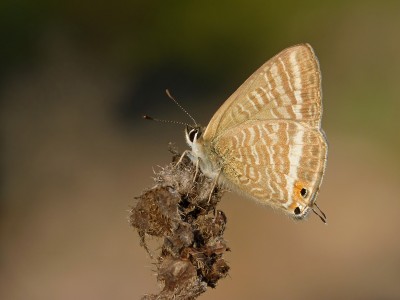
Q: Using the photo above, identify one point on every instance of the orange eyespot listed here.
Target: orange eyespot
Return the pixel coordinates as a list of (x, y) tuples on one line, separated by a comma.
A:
[(300, 191)]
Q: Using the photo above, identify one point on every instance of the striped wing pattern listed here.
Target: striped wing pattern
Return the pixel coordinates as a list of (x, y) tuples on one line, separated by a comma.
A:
[(288, 86), (272, 161), (266, 138)]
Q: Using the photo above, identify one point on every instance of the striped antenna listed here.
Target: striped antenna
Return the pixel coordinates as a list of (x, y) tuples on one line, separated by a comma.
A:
[(180, 106), (146, 117)]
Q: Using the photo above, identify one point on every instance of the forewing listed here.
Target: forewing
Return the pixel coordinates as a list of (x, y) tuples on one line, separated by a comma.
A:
[(287, 87), (272, 161)]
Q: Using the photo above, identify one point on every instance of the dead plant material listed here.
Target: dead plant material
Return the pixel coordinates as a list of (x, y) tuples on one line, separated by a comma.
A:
[(178, 211)]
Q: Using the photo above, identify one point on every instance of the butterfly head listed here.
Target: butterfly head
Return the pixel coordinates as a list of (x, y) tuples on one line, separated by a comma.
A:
[(192, 134), (200, 152)]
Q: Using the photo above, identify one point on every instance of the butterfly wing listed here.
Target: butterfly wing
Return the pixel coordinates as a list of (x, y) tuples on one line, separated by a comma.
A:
[(287, 87), (273, 161), (266, 139)]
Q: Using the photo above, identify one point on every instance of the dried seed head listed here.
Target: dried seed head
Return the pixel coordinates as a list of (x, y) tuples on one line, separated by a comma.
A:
[(178, 210)]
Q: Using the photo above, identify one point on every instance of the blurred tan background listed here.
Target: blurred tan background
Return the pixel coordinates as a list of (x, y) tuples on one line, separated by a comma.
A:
[(74, 81)]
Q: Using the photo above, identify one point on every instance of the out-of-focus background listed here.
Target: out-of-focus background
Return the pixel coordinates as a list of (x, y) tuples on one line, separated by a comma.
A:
[(75, 78)]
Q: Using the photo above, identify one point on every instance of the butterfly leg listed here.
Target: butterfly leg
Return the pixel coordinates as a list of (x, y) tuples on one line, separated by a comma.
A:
[(213, 187), (181, 158), (197, 170)]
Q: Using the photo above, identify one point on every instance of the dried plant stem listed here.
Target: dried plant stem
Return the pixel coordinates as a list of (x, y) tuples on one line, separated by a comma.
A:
[(179, 210)]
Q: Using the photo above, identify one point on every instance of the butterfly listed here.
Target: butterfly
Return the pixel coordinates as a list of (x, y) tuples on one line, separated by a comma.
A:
[(265, 142)]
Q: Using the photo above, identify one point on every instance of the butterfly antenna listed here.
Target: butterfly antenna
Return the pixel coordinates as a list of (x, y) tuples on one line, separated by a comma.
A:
[(180, 106), (146, 117), (321, 214)]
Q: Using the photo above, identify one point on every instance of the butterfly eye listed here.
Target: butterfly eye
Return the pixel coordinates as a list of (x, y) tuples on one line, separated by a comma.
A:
[(297, 210), (303, 192)]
